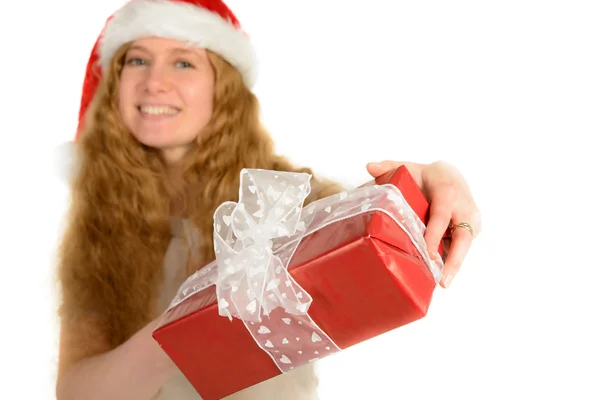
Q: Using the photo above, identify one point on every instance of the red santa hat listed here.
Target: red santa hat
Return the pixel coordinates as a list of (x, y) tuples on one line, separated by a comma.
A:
[(208, 24)]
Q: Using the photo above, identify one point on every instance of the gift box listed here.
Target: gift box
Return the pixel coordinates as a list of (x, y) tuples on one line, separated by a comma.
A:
[(293, 284)]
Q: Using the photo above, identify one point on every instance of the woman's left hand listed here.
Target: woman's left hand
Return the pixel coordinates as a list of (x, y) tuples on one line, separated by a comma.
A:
[(451, 203)]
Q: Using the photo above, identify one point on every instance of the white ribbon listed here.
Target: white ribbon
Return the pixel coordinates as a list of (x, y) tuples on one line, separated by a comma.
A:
[(253, 281), (256, 238)]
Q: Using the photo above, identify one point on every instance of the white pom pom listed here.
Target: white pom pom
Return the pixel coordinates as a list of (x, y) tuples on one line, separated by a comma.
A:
[(65, 161)]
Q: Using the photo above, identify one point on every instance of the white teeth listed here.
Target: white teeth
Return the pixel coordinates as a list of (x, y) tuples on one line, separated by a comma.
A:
[(158, 110)]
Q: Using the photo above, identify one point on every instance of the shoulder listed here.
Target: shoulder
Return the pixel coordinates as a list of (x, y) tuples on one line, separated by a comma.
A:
[(320, 185)]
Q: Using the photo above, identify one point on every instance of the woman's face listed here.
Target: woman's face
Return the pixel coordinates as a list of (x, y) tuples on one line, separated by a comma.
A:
[(166, 94)]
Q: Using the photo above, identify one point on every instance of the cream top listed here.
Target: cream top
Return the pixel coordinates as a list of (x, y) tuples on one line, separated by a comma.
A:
[(301, 384)]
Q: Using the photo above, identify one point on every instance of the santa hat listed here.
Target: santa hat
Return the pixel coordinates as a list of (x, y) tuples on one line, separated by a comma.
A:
[(208, 24)]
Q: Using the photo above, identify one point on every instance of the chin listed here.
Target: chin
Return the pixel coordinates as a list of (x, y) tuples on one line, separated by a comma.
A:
[(154, 144), (157, 140), (172, 151)]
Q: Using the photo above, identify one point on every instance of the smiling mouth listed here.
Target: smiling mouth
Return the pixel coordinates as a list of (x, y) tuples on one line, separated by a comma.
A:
[(158, 111)]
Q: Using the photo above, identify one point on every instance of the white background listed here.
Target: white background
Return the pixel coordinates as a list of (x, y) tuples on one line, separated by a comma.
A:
[(509, 92)]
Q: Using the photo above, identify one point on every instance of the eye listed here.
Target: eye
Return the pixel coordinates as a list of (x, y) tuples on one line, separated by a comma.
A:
[(184, 64), (135, 61)]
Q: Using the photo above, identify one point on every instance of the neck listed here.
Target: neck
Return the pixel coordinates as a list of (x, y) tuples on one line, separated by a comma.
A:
[(177, 189), (174, 156)]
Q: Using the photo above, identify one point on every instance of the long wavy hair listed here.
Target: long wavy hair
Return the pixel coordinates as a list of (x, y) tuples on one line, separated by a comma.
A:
[(118, 229)]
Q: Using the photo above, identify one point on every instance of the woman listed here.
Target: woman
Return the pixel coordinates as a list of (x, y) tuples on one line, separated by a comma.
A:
[(166, 124)]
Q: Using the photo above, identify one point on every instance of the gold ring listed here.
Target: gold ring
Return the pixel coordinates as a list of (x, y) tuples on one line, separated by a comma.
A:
[(462, 225)]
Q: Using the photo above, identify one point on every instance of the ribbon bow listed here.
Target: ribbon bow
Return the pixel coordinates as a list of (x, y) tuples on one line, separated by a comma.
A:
[(251, 280)]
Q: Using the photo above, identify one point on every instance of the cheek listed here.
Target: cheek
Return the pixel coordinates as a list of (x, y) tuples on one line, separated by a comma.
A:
[(199, 97), (125, 97)]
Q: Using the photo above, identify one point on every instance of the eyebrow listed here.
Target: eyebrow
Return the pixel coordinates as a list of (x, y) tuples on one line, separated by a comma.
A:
[(184, 51), (138, 47), (174, 50)]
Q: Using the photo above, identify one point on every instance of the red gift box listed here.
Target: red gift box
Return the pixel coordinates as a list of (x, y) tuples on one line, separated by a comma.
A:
[(365, 277)]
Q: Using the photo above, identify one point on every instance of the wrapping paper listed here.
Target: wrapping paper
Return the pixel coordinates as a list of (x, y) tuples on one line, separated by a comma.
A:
[(291, 285)]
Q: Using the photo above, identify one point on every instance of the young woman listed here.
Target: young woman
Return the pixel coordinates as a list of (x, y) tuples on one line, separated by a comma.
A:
[(167, 122)]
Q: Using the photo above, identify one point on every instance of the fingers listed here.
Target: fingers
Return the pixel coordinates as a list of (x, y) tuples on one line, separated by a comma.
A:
[(459, 247), (376, 169), (440, 214)]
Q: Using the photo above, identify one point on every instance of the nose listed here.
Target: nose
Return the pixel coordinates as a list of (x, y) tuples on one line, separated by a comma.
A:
[(156, 79)]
